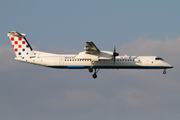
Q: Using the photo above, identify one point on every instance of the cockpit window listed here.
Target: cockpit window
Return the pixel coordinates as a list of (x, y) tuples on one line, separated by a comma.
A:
[(159, 59)]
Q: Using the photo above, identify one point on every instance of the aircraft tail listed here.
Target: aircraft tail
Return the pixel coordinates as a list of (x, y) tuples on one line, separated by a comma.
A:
[(21, 46)]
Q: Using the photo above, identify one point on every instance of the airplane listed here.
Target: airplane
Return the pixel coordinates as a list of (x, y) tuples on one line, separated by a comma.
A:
[(92, 58)]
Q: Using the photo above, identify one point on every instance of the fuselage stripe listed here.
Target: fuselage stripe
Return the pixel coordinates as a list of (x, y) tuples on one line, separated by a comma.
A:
[(112, 67)]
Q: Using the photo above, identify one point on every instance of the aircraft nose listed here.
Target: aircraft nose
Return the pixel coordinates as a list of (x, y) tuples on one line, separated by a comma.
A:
[(170, 66)]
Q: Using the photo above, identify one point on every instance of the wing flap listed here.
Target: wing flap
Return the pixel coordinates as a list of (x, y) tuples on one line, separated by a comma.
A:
[(91, 48), (93, 53), (95, 57)]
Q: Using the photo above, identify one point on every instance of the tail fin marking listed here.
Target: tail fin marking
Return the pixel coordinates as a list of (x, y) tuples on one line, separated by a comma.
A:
[(21, 46)]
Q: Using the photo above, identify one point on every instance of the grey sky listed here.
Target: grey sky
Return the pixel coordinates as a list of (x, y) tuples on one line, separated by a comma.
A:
[(35, 92), (137, 28)]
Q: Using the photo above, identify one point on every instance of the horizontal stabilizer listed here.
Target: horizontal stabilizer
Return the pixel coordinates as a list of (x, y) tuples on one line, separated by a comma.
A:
[(14, 33)]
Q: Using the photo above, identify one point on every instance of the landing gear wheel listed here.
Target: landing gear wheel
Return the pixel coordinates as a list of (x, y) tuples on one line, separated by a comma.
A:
[(90, 70), (95, 72), (164, 71), (94, 76)]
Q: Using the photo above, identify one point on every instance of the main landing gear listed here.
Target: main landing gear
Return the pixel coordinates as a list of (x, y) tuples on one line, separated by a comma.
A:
[(90, 70), (95, 73), (164, 71)]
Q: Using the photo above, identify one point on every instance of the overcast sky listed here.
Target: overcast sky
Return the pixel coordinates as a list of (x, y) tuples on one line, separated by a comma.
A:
[(31, 92)]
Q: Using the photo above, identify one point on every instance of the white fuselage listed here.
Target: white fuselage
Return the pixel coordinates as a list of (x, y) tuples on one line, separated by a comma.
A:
[(71, 62), (91, 58)]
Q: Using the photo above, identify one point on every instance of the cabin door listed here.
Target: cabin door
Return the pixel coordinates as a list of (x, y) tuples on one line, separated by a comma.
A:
[(61, 61)]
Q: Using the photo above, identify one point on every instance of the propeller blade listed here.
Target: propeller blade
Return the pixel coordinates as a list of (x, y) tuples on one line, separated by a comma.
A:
[(114, 59), (115, 54)]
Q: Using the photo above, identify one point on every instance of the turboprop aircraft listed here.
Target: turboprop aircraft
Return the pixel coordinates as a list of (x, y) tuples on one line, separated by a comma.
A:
[(92, 58)]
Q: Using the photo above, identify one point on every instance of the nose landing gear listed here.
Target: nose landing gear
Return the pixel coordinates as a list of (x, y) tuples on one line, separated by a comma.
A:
[(164, 71)]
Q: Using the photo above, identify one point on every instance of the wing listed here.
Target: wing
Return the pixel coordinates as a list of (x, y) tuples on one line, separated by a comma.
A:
[(91, 48), (93, 53)]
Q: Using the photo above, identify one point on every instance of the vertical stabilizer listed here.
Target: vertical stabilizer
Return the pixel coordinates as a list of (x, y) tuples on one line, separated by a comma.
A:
[(21, 46)]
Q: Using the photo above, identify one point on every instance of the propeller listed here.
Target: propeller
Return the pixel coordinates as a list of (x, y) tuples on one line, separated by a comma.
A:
[(115, 54)]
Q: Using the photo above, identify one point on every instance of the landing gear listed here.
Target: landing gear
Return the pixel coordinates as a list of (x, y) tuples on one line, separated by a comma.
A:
[(95, 74), (164, 71), (90, 70)]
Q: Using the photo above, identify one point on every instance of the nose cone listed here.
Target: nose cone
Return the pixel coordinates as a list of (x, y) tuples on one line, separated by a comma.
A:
[(169, 65)]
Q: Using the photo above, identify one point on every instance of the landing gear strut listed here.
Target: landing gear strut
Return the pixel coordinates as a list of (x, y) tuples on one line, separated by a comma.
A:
[(91, 69), (164, 71), (95, 74)]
